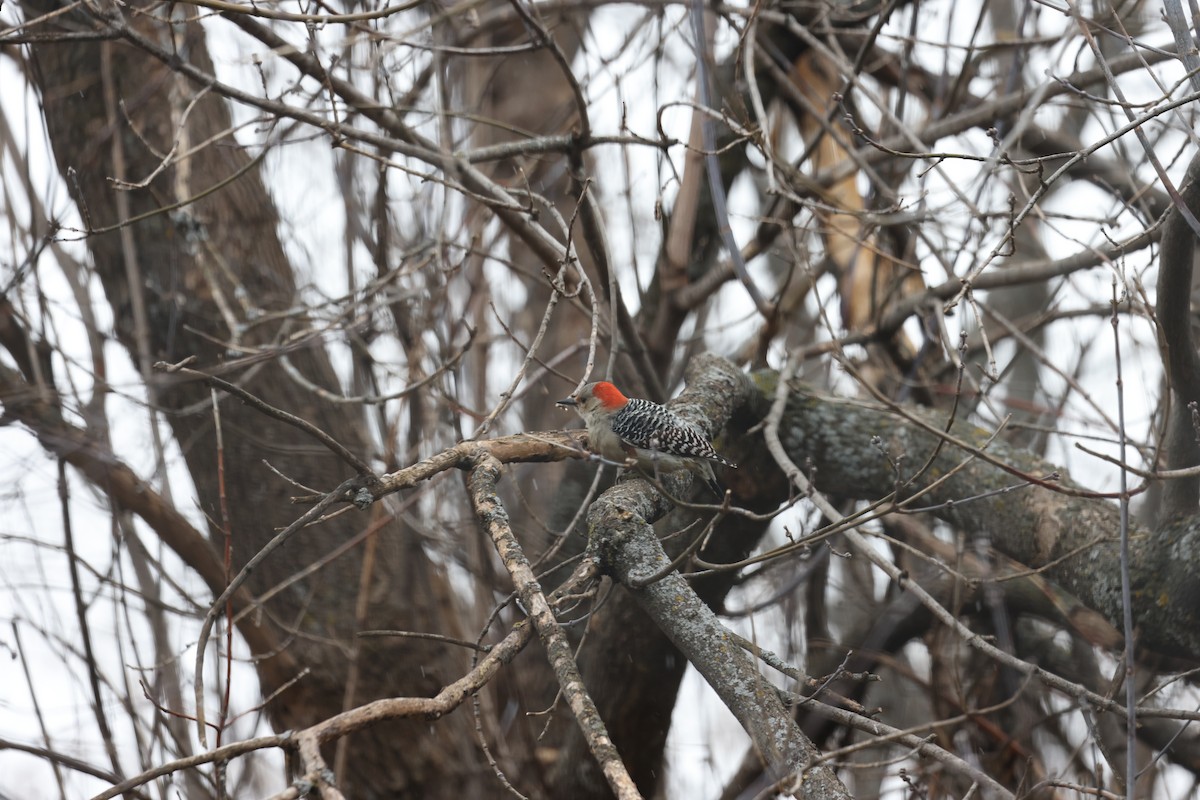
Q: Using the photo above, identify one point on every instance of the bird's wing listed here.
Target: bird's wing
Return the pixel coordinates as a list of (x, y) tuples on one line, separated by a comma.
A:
[(655, 427)]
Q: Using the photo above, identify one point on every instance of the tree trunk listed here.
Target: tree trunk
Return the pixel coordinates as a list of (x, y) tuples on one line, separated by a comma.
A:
[(210, 279)]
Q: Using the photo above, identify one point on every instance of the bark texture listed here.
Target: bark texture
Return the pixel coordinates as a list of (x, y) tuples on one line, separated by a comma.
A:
[(209, 277), (854, 447)]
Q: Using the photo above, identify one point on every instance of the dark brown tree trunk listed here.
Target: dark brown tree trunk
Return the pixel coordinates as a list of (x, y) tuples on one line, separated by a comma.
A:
[(210, 279)]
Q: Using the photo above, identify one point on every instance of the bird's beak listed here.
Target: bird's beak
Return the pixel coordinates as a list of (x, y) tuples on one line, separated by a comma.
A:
[(567, 401)]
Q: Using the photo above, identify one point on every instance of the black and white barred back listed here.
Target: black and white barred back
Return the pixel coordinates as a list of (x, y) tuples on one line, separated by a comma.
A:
[(650, 426)]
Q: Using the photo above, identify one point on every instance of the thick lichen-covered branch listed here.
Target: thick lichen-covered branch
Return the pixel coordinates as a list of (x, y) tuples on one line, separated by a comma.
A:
[(861, 450)]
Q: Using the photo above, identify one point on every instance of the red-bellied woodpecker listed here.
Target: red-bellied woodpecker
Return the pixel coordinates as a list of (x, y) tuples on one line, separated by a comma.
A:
[(620, 429)]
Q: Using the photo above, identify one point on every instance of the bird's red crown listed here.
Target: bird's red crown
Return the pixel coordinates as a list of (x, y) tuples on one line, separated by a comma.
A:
[(609, 395)]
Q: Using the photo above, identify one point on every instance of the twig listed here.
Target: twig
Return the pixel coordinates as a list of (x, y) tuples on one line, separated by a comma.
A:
[(491, 513), (214, 610), (338, 449), (1126, 580)]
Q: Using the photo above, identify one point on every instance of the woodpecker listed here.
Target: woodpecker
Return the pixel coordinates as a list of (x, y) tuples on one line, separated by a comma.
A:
[(620, 428)]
